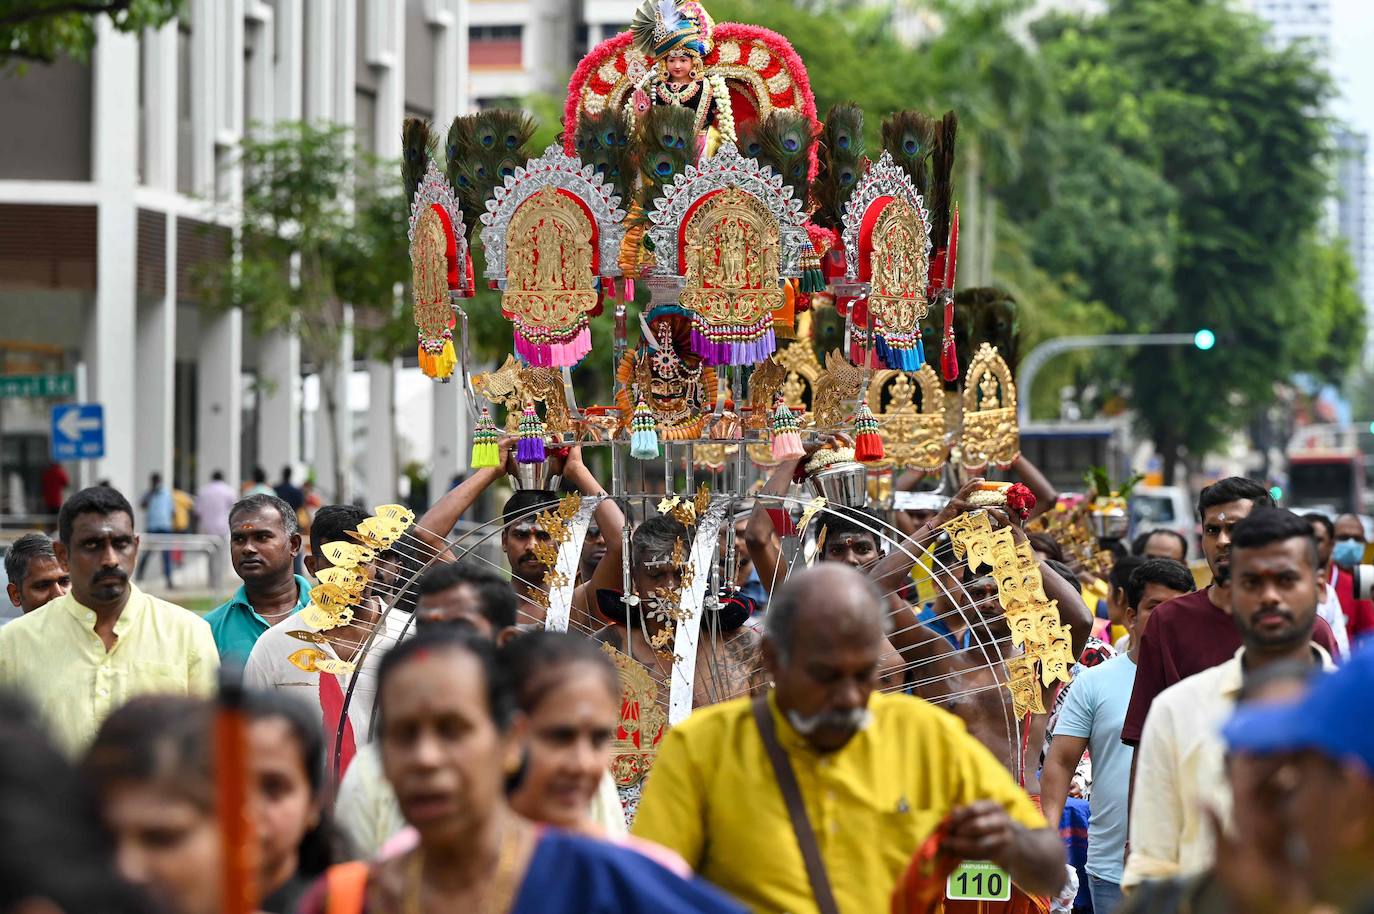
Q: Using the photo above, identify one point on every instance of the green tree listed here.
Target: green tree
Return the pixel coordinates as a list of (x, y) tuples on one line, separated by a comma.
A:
[(321, 226), (44, 30), (1188, 194)]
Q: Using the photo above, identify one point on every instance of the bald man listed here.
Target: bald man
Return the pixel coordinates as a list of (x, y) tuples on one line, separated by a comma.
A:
[(875, 774)]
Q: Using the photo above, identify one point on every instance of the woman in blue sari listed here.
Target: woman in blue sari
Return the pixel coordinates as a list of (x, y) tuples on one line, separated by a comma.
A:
[(446, 747)]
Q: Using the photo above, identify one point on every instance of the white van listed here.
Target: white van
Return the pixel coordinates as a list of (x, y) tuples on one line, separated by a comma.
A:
[(1164, 508)]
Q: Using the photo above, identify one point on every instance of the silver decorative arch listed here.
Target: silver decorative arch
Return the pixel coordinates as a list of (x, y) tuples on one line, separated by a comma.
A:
[(884, 178), (727, 168), (554, 168), (434, 189)]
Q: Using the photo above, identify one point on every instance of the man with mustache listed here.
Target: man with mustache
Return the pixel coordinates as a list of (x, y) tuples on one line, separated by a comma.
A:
[(1195, 632), (870, 777), (1179, 763), (91, 650)]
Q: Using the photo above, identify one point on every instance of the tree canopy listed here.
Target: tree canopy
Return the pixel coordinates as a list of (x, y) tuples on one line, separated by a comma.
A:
[(44, 30)]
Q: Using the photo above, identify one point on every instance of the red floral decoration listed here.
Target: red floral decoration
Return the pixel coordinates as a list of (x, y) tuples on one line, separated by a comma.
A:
[(1021, 500)]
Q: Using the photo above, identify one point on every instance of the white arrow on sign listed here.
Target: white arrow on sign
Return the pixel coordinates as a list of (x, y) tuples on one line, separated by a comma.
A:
[(71, 425)]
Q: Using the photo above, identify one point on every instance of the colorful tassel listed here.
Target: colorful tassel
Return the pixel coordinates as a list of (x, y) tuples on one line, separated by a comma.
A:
[(868, 444), (530, 448), (485, 449), (786, 441), (643, 432), (437, 357), (949, 355)]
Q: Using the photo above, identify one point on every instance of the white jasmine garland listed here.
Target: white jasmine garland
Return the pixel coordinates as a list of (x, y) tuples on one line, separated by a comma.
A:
[(724, 112)]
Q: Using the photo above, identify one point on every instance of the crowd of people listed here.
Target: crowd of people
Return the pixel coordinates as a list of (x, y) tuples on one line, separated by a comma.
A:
[(845, 753)]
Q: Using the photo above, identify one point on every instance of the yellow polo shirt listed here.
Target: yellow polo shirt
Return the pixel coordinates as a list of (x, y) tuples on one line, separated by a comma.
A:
[(712, 797), (54, 658)]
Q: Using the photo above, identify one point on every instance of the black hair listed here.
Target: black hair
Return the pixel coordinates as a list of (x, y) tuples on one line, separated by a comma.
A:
[(21, 554), (520, 504), (533, 663), (165, 739), (780, 622), (218, 474), (331, 525), (261, 501), (1255, 680), (318, 849), (1115, 547), (1233, 488), (1143, 540), (838, 522), (656, 537), (1164, 572), (286, 473), (101, 500), (493, 591), (259, 475), (51, 845), (1264, 526), (433, 640), (1043, 542), (1315, 518), (1065, 572), (1124, 568)]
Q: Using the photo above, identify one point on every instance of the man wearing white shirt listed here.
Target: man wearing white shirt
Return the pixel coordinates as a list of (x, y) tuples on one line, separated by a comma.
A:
[(1275, 590)]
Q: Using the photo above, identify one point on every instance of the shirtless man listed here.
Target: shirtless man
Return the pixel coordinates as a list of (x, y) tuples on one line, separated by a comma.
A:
[(727, 663)]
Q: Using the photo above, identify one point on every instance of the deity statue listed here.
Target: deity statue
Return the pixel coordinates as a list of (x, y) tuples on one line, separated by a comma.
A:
[(675, 38)]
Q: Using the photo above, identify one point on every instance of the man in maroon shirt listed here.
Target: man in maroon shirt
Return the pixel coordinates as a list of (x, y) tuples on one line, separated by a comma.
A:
[(1195, 632)]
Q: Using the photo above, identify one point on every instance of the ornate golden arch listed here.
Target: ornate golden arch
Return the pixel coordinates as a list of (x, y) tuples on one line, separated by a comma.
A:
[(910, 408), (733, 244), (549, 284), (898, 269), (990, 433)]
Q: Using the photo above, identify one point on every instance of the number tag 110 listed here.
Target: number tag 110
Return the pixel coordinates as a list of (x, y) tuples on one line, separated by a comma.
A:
[(978, 880)]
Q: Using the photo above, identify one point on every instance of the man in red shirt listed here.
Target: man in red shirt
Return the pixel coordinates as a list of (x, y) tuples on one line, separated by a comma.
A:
[(54, 482), (1195, 632), (1346, 554)]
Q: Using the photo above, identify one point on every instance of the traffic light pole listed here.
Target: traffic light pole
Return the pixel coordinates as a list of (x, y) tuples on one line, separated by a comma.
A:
[(1037, 357)]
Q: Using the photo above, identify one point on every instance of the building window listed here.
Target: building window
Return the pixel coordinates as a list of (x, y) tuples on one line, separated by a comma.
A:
[(495, 46)]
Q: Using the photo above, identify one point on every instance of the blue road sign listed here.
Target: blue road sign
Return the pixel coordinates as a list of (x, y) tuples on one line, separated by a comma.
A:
[(78, 431)]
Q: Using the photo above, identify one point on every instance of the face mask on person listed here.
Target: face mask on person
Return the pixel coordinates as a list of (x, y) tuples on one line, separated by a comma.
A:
[(1347, 553)]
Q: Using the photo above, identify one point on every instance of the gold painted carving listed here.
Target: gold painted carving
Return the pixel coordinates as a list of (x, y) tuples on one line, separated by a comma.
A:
[(513, 384), (913, 433), (733, 244), (899, 267), (549, 280), (990, 432), (429, 275), (836, 388), (643, 722)]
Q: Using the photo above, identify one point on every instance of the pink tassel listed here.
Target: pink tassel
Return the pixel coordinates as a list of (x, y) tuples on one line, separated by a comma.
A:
[(786, 441)]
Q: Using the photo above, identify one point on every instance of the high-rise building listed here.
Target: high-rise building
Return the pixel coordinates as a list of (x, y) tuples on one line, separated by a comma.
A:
[(1297, 20)]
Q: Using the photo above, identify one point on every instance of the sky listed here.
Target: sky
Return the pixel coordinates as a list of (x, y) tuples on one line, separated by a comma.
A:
[(1352, 61)]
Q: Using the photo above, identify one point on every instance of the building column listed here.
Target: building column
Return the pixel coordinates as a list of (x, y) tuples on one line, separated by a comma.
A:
[(156, 367), (318, 51), (452, 436), (333, 381), (110, 341), (382, 471), (219, 395), (279, 401), (288, 79)]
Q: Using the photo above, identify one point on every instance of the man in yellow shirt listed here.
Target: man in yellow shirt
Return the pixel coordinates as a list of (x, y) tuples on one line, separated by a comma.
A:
[(88, 652), (877, 774)]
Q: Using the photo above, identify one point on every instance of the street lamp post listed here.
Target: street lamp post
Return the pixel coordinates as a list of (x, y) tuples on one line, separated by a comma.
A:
[(1037, 357)]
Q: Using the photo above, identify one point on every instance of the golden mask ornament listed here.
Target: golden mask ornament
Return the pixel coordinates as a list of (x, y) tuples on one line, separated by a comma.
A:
[(989, 434)]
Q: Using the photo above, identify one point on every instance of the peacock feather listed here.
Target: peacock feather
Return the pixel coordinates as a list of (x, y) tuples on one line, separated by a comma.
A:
[(841, 164), (783, 142), (668, 144), (940, 200), (417, 146), (483, 149), (603, 143), (909, 137)]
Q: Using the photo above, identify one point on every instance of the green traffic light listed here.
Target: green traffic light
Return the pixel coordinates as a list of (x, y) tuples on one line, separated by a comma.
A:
[(1276, 493), (1204, 339)]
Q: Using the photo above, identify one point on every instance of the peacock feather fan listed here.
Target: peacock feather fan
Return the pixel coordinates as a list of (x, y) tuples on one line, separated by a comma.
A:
[(940, 200), (783, 142), (909, 136), (841, 164), (483, 149), (603, 142), (668, 144), (417, 146)]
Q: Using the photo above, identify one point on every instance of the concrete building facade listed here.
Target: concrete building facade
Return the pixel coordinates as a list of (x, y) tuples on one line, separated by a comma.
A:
[(117, 189)]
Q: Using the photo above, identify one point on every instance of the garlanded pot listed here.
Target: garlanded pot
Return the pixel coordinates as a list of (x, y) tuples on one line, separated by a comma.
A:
[(837, 477), (1109, 511)]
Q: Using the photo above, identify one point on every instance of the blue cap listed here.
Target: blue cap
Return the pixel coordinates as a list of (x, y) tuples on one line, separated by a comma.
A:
[(1332, 718)]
